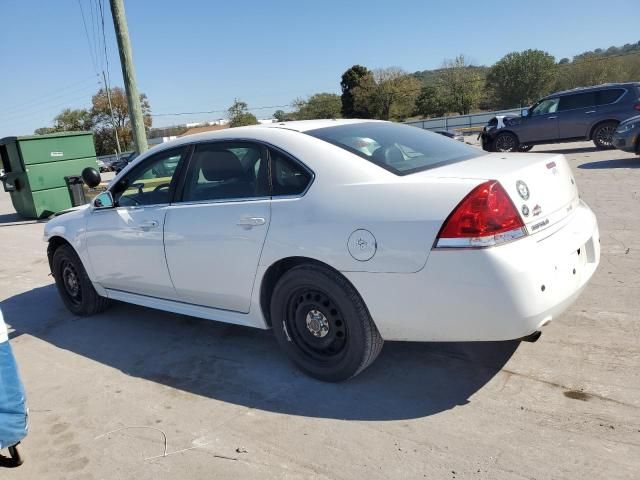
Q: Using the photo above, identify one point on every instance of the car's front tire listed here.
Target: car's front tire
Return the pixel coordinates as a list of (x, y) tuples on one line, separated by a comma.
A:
[(603, 135), (322, 323), (74, 286), (506, 142)]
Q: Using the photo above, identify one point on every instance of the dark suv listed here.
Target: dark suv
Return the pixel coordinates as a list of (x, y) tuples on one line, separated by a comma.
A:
[(590, 113)]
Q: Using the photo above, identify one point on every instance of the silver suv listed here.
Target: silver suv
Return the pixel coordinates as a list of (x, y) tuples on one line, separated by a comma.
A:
[(590, 113)]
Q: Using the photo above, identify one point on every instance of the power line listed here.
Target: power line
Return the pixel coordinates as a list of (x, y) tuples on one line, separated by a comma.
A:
[(104, 43), (50, 96), (85, 96), (86, 33)]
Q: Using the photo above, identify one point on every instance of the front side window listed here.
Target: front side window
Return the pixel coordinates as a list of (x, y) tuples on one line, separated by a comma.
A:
[(150, 183), (401, 149), (226, 171), (550, 105), (578, 100)]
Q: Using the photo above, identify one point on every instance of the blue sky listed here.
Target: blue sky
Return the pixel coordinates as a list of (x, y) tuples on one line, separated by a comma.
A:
[(198, 55)]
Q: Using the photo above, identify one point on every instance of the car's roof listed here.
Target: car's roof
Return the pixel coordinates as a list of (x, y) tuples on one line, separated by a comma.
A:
[(305, 125), (249, 132), (591, 88)]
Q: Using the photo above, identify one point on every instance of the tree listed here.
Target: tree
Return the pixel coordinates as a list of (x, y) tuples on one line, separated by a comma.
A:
[(520, 78), (104, 124), (350, 80), (320, 105), (239, 115), (431, 102), (461, 84), (280, 115), (98, 119), (594, 69), (387, 93), (69, 120)]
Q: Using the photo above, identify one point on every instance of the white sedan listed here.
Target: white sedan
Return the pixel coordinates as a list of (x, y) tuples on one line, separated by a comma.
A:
[(337, 234)]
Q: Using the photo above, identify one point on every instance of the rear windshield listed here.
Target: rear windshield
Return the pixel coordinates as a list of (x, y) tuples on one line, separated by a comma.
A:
[(401, 149)]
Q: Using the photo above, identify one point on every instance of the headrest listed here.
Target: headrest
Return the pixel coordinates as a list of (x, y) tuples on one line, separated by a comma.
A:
[(217, 165), (390, 155)]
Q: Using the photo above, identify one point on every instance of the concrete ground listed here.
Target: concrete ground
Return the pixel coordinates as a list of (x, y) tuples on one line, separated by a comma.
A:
[(232, 406)]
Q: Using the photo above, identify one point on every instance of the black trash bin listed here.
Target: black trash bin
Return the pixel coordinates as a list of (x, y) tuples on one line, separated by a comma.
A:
[(76, 190)]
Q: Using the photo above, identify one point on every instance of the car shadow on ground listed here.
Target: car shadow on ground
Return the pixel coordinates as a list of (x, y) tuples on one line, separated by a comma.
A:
[(244, 366), (614, 163), (11, 219), (568, 151)]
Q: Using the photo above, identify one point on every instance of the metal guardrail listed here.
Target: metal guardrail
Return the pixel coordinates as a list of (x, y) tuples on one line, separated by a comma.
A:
[(461, 122)]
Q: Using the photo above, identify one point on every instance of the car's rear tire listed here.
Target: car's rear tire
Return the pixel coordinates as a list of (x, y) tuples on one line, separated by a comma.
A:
[(506, 142), (603, 135), (525, 148), (74, 286), (322, 323)]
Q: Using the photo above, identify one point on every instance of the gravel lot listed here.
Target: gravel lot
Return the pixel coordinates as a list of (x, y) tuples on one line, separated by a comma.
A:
[(567, 406)]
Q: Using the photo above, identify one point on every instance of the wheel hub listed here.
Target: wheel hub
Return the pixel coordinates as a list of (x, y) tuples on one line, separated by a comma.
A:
[(71, 281), (317, 323)]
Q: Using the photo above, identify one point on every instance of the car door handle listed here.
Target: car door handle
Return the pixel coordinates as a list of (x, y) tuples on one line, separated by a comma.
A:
[(551, 118), (590, 111), (251, 222), (146, 226)]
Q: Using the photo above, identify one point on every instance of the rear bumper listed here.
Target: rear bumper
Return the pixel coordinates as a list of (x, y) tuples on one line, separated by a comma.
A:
[(498, 293)]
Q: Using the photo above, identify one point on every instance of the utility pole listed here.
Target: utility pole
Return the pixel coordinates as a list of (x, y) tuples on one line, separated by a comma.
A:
[(129, 75), (113, 119)]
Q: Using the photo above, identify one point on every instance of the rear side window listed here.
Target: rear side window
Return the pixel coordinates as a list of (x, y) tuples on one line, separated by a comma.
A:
[(577, 100), (220, 171), (606, 97), (401, 149), (287, 176)]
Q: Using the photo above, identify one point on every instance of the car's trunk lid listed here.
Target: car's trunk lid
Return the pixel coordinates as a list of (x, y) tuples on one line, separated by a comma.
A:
[(541, 186)]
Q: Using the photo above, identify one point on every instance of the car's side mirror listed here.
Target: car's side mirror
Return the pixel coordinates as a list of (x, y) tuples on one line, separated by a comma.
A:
[(524, 112), (103, 200), (91, 177)]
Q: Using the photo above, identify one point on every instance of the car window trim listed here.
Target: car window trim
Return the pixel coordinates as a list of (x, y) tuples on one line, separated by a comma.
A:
[(178, 199), (186, 149)]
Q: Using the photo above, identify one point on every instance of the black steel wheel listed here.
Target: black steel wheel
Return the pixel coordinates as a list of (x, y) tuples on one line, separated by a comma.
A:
[(505, 142), (603, 135), (322, 323), (74, 286)]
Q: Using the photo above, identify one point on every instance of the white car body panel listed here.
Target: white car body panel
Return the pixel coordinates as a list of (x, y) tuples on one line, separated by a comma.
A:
[(213, 259), (486, 294), (127, 253), (199, 262)]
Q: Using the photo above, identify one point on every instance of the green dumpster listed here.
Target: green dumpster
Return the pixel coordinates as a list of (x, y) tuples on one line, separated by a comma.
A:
[(35, 168)]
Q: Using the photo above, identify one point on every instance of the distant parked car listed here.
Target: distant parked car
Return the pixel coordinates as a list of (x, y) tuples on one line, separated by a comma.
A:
[(124, 160), (627, 135), (591, 113), (456, 135), (104, 166)]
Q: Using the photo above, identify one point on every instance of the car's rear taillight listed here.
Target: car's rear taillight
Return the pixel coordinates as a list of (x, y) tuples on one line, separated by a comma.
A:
[(637, 107), (485, 217)]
